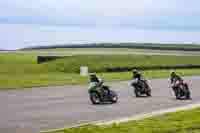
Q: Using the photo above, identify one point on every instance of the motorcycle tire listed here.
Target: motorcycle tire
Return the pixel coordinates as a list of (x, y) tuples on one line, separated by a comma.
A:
[(114, 97), (95, 98), (188, 95), (148, 93), (137, 93)]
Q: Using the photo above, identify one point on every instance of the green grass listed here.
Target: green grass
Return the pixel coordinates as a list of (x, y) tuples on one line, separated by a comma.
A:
[(181, 122), (20, 81), (20, 70), (148, 74), (56, 79)]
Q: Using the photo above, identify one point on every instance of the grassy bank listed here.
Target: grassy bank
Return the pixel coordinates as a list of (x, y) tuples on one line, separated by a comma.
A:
[(20, 70), (101, 63), (181, 122)]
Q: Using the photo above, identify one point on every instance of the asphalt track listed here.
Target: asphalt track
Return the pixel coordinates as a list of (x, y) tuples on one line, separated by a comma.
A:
[(32, 110)]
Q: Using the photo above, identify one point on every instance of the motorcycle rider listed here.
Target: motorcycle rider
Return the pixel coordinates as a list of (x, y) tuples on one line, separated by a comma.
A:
[(97, 84), (93, 78), (137, 76), (174, 78)]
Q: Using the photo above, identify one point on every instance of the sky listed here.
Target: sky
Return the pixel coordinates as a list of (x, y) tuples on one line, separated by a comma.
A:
[(30, 22)]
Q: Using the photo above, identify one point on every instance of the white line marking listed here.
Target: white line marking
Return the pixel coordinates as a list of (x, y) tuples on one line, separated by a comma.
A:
[(147, 115), (132, 118)]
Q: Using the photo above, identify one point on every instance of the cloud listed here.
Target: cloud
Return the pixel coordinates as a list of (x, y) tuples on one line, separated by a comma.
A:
[(102, 12), (19, 36), (98, 20)]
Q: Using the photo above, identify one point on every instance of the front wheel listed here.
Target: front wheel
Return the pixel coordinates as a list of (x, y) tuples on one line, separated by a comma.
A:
[(95, 98), (148, 89), (178, 93), (137, 92), (148, 93)]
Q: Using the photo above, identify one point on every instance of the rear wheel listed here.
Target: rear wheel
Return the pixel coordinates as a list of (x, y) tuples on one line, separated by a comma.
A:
[(95, 98), (114, 97), (187, 95), (178, 97)]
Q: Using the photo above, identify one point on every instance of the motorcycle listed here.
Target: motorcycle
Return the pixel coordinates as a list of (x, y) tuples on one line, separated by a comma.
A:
[(141, 87), (181, 90), (103, 94)]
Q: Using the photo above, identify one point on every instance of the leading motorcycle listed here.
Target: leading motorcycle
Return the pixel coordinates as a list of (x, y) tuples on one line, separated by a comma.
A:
[(103, 94)]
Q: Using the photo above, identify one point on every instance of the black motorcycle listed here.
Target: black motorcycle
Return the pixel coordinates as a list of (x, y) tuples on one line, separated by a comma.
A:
[(141, 88), (181, 90), (103, 95)]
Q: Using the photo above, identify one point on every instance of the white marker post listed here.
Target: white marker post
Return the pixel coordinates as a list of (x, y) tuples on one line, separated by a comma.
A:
[(84, 71)]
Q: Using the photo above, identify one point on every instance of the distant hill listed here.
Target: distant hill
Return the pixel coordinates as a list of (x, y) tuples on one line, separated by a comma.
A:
[(6, 50), (2, 50), (152, 46)]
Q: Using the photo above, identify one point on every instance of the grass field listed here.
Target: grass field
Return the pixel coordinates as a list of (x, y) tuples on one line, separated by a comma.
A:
[(181, 122), (20, 70)]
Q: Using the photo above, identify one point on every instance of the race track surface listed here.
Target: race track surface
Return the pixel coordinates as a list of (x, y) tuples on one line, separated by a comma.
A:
[(32, 110)]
